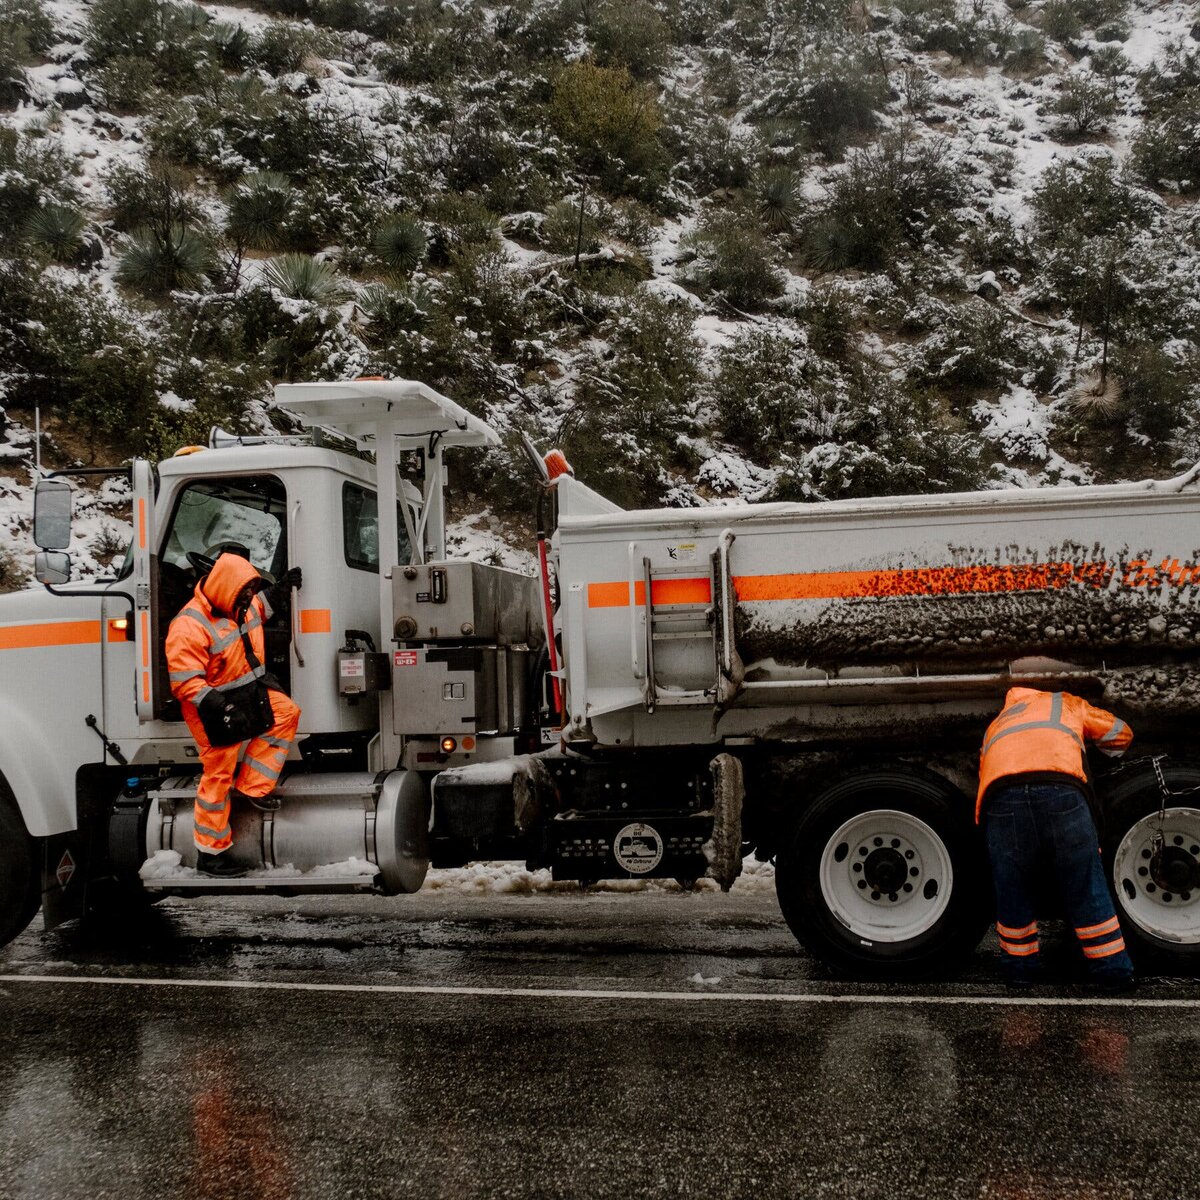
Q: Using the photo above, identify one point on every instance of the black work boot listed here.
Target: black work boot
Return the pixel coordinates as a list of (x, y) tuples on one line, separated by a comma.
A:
[(270, 803), (218, 866)]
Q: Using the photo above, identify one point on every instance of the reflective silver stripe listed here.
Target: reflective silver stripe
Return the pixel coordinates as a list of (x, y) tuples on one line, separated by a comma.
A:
[(253, 622), (1114, 733), (282, 743), (211, 806), (216, 835), (183, 676), (261, 767), (1052, 722), (199, 696), (241, 681), (224, 642), (201, 619)]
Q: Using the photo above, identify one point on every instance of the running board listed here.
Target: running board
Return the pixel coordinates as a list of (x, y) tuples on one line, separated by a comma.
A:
[(263, 885)]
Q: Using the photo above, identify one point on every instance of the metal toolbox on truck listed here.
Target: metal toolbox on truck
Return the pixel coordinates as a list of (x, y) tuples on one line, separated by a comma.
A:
[(460, 689), (465, 601)]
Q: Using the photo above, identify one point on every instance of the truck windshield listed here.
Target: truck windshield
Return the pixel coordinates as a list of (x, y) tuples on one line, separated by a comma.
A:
[(250, 511)]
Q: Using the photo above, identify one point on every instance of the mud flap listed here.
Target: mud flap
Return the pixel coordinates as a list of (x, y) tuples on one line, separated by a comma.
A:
[(64, 878), (723, 851)]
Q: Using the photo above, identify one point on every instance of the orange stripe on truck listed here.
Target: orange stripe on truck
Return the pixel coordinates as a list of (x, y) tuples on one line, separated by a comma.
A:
[(843, 585), (51, 633), (315, 620)]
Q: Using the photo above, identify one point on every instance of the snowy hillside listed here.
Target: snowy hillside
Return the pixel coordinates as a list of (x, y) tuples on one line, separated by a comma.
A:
[(718, 249)]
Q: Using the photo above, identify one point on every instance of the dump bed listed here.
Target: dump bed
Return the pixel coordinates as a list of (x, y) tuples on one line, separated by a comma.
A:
[(886, 605)]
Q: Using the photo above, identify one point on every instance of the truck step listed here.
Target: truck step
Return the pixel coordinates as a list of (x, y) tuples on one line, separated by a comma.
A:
[(268, 884)]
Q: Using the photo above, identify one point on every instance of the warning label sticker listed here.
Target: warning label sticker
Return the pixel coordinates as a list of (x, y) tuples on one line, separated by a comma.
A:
[(638, 848), (405, 658), (65, 869), (352, 666)]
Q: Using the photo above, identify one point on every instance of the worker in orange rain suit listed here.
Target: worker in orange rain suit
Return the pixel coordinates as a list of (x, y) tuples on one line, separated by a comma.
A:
[(1033, 800), (215, 645)]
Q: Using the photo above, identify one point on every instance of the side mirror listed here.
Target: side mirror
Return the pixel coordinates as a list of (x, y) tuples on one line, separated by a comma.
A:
[(52, 514), (52, 567)]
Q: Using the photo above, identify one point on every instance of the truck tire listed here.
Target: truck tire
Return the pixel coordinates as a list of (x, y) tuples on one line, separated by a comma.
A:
[(20, 871), (884, 875), (1158, 900)]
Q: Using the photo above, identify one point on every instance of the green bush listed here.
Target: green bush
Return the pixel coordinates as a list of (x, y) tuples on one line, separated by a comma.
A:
[(634, 404), (898, 193), (156, 194), (565, 227), (979, 346), (482, 288), (631, 34), (1166, 150), (281, 49), (391, 311), (734, 260), (125, 83), (459, 221), (611, 122), (33, 172), (1087, 197), (771, 395), (159, 260), (27, 23), (1160, 396), (171, 36), (829, 320)]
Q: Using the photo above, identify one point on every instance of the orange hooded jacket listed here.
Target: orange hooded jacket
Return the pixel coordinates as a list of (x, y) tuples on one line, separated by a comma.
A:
[(204, 644), (1045, 733)]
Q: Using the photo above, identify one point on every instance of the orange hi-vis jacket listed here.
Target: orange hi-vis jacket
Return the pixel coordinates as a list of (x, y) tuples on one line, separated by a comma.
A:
[(1045, 733), (204, 645)]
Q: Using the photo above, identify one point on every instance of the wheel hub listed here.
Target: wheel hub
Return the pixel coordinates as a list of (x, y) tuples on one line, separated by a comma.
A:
[(885, 870), (886, 875), (1173, 869), (1156, 872)]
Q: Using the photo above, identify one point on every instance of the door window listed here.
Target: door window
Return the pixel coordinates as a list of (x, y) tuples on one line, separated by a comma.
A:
[(360, 529), (250, 511)]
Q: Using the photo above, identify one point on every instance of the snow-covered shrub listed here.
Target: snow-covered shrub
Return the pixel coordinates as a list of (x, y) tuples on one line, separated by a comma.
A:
[(391, 311), (1085, 103), (1166, 151), (776, 192), (733, 260), (1088, 196), (280, 48), (1160, 397), (33, 172), (632, 34), (1109, 62), (171, 36), (891, 442), (482, 286), (125, 83), (829, 320), (27, 22), (771, 395), (459, 221), (157, 194), (634, 402), (980, 346), (439, 42), (902, 191), (570, 225), (708, 153)]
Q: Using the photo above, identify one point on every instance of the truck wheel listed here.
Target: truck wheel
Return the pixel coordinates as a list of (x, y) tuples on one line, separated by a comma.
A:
[(1158, 895), (20, 873), (884, 875)]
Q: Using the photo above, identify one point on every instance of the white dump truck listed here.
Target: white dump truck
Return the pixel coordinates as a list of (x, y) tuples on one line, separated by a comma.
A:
[(676, 689)]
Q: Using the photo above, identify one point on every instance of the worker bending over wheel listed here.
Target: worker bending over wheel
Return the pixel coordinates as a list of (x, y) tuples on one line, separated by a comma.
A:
[(1033, 801)]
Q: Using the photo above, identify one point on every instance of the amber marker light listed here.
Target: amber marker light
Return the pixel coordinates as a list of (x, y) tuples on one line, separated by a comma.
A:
[(449, 745), (468, 743)]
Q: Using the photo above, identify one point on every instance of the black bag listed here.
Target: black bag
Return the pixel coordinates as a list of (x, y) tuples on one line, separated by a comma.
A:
[(242, 712)]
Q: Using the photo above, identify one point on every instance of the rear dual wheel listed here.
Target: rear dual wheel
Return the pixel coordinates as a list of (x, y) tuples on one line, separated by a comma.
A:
[(1152, 851), (884, 876), (20, 871)]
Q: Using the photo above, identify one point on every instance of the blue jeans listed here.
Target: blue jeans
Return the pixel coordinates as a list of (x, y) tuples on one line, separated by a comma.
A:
[(1030, 827)]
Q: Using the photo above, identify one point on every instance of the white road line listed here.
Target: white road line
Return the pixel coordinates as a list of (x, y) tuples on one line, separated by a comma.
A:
[(536, 993)]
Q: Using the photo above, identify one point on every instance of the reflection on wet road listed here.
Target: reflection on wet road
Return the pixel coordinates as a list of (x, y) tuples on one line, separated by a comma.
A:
[(163, 1090)]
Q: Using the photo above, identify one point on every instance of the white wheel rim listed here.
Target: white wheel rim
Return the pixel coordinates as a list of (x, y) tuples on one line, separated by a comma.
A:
[(1162, 898), (874, 850)]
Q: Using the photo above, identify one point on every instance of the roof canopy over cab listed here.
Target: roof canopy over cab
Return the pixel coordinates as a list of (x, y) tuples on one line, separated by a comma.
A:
[(367, 409)]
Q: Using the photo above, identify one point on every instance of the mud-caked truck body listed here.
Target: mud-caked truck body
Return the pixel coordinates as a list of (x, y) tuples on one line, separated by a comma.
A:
[(807, 683)]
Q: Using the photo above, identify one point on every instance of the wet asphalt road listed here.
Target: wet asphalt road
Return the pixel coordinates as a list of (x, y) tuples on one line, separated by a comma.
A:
[(940, 1090)]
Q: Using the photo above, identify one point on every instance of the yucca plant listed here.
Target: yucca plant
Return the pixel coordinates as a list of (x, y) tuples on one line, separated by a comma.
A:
[(259, 208), (232, 44), (57, 229), (391, 310), (828, 244), (400, 243), (777, 197), (302, 277), (155, 260)]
